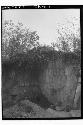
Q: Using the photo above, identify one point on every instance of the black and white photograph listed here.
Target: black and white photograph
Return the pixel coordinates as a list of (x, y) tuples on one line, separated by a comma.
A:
[(41, 62)]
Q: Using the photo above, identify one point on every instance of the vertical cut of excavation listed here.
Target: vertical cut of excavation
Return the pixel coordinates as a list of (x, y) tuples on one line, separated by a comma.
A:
[(59, 84)]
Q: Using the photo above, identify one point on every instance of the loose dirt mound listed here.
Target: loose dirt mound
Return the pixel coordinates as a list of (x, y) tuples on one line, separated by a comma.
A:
[(27, 109)]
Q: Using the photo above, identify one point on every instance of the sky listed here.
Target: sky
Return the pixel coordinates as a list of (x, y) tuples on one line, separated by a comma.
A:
[(44, 21)]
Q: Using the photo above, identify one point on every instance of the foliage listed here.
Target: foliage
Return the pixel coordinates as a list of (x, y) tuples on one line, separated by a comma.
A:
[(17, 39), (68, 38)]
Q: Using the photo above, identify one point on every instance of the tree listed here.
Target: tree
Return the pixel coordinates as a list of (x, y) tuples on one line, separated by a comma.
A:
[(17, 39), (68, 37)]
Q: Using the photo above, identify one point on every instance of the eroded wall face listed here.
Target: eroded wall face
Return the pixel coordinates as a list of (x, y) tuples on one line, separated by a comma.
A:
[(59, 82), (56, 80)]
